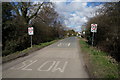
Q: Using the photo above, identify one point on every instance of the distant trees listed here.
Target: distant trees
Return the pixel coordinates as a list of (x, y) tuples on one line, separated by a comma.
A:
[(70, 32), (1, 24), (107, 37), (18, 16)]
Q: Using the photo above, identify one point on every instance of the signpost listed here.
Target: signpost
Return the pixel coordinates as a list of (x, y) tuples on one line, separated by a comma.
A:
[(93, 29), (31, 32)]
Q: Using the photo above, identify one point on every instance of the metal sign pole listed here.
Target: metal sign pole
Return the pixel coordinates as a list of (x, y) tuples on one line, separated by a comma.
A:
[(93, 39), (31, 41), (30, 32), (93, 30)]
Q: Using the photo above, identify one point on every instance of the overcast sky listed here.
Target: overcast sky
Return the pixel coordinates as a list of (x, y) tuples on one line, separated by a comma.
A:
[(76, 13)]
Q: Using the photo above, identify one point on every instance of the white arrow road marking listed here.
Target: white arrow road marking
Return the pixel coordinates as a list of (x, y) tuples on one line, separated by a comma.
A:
[(68, 44)]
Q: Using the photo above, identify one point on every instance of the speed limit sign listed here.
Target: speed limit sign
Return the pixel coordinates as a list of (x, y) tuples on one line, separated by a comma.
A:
[(93, 27), (30, 31)]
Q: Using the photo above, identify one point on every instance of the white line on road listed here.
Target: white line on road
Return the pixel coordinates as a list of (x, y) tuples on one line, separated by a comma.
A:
[(53, 63), (68, 44), (59, 44), (46, 66), (60, 69), (25, 68), (24, 65)]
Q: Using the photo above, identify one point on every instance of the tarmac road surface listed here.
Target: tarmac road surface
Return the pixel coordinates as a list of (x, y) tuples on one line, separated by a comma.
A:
[(59, 60)]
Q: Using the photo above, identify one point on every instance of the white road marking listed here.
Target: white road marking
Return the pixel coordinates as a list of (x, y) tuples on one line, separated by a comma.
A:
[(25, 68), (54, 66), (68, 44), (24, 64), (59, 44), (20, 66), (60, 69), (53, 63)]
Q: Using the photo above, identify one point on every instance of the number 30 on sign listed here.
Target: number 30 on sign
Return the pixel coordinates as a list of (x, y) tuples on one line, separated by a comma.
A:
[(30, 30), (93, 27)]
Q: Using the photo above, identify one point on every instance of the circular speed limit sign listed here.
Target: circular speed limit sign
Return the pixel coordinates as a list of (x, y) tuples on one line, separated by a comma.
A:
[(93, 27), (30, 31)]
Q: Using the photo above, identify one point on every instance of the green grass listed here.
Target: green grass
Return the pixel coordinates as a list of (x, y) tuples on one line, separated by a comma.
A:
[(26, 51), (101, 65), (41, 45)]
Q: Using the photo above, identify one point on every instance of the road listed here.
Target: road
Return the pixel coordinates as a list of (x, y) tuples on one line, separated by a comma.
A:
[(59, 60)]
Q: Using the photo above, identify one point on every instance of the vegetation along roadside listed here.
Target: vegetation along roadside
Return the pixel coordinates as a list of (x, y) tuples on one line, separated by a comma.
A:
[(26, 51), (99, 64)]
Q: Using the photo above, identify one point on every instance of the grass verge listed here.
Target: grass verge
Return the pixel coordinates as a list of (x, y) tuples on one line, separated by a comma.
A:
[(26, 51), (99, 64)]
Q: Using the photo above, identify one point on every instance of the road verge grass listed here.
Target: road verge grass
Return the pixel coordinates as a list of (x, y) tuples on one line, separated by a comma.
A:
[(26, 52), (99, 64)]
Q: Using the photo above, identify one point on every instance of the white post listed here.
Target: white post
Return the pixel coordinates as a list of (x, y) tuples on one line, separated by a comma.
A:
[(31, 41), (93, 39)]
